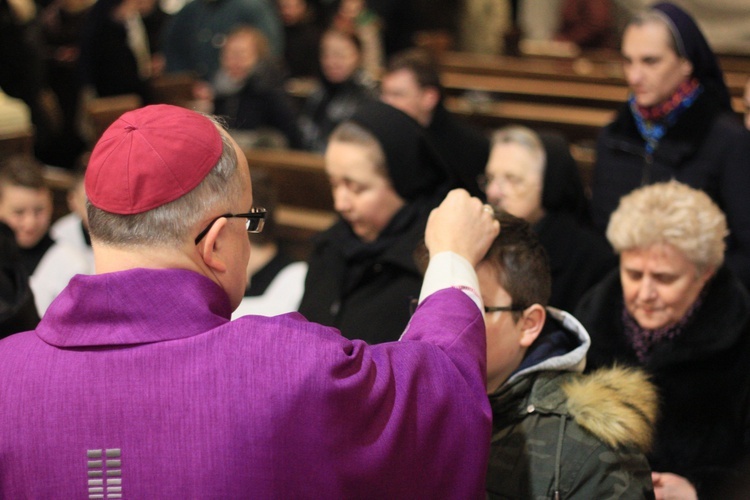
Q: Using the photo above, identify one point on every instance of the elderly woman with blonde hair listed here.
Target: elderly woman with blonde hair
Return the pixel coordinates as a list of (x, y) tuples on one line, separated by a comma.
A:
[(674, 309)]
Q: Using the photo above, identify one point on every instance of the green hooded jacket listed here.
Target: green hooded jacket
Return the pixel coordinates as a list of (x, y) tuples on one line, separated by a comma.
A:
[(560, 434)]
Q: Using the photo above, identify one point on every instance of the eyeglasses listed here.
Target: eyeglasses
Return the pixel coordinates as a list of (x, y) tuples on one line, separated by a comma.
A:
[(511, 308), (413, 303), (256, 218), (512, 181)]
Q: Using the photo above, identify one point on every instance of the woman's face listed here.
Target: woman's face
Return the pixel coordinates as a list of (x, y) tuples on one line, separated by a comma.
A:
[(652, 68), (351, 8), (361, 195), (239, 56), (292, 11), (514, 181), (659, 284), (339, 57)]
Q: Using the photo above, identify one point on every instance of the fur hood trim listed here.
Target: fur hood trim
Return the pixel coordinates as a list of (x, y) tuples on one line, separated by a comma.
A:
[(618, 405)]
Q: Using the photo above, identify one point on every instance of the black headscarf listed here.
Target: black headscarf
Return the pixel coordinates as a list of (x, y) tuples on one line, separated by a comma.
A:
[(692, 45), (415, 168), (562, 188)]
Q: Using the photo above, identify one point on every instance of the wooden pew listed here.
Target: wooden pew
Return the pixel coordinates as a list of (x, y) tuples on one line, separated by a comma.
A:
[(739, 63), (173, 88), (305, 203), (101, 112), (598, 95), (495, 95), (298, 175), (577, 123), (580, 70), (20, 142), (583, 69)]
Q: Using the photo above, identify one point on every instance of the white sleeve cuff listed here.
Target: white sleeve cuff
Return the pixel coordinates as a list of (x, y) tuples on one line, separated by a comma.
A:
[(450, 270)]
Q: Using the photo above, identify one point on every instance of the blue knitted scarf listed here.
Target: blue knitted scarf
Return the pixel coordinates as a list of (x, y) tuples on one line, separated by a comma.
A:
[(653, 122)]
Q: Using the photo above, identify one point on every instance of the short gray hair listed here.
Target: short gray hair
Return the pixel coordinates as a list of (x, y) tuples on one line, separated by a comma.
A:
[(672, 213), (525, 137), (170, 224)]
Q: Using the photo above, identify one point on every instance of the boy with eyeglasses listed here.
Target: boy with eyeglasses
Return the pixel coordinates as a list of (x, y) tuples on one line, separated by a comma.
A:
[(556, 433)]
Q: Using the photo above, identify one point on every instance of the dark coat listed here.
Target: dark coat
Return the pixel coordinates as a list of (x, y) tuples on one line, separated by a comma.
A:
[(330, 105), (702, 377), (707, 149), (578, 257), (17, 309), (527, 416), (302, 49), (557, 433), (107, 62), (375, 305), (113, 69), (464, 149), (260, 104)]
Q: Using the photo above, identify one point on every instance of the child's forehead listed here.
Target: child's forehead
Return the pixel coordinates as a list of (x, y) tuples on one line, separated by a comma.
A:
[(14, 189)]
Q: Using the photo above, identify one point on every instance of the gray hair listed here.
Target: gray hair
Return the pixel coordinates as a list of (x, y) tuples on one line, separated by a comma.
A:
[(525, 137), (171, 224)]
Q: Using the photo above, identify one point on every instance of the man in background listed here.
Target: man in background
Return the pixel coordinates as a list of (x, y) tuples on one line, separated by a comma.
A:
[(411, 83)]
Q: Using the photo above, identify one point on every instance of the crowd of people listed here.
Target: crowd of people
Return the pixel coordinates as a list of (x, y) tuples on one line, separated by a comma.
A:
[(474, 324)]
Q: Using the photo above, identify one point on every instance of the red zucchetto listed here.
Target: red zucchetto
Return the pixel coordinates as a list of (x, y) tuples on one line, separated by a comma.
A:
[(149, 157)]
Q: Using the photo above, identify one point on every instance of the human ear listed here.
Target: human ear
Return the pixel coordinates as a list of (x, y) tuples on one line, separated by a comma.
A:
[(532, 323), (431, 97), (687, 68), (212, 246), (706, 275)]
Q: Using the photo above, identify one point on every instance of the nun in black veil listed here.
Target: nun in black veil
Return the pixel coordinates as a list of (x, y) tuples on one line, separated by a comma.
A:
[(385, 178), (677, 124), (534, 177)]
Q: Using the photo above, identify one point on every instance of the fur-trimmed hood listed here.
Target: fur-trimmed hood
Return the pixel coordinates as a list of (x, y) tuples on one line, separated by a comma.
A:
[(562, 434), (618, 405)]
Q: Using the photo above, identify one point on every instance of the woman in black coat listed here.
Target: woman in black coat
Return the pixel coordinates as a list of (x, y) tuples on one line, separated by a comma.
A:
[(676, 311), (385, 179)]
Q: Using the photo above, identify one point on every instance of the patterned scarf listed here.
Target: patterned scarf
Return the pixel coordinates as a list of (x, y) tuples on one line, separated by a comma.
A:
[(654, 121), (643, 340)]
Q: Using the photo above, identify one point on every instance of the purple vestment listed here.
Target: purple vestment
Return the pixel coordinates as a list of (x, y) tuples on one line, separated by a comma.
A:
[(136, 383)]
